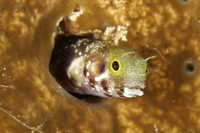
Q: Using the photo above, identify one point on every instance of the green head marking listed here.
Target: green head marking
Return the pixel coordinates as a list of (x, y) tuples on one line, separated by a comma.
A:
[(126, 67)]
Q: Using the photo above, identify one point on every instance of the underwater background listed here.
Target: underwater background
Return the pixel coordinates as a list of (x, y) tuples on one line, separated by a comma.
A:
[(32, 101)]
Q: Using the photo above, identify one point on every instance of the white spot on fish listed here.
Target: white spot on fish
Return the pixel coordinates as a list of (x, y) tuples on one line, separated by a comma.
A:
[(87, 66), (76, 71), (87, 49), (97, 88), (102, 76), (87, 74), (110, 90), (80, 53), (79, 84)]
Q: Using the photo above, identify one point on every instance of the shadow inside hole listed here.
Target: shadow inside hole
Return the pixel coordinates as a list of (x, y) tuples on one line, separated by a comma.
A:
[(87, 98), (184, 1), (190, 66)]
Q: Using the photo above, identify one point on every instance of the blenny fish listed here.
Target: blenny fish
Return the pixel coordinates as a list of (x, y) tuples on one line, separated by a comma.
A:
[(94, 67)]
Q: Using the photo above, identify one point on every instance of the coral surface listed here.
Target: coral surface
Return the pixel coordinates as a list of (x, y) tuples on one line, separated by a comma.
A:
[(32, 100)]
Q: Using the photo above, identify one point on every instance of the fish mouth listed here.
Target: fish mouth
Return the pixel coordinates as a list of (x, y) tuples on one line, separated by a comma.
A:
[(132, 91), (124, 91)]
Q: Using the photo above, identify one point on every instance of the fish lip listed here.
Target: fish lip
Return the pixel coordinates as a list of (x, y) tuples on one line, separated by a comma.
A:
[(141, 86), (133, 91), (126, 91)]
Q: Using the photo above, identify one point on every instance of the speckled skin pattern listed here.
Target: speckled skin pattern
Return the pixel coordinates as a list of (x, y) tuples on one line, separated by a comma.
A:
[(32, 100), (85, 66)]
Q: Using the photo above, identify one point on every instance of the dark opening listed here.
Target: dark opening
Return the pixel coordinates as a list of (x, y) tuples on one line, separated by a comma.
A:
[(184, 1), (190, 67), (61, 58)]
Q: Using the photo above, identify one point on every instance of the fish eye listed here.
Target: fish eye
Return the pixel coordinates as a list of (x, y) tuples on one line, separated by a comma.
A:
[(115, 65)]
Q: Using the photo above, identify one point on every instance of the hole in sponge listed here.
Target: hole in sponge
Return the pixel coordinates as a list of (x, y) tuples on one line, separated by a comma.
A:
[(190, 66), (61, 58)]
